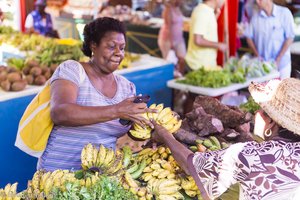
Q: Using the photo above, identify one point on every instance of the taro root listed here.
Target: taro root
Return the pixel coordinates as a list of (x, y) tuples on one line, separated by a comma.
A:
[(36, 71), (29, 78), (202, 123), (40, 80), (5, 85), (186, 137), (230, 116), (14, 76), (230, 134), (18, 85)]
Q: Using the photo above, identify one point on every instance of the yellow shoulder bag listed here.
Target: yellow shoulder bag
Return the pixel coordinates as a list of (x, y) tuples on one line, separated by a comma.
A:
[(36, 124)]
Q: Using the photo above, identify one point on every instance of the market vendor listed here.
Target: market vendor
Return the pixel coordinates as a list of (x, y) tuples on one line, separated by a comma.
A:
[(267, 170), (203, 36), (88, 99), (270, 34), (39, 21)]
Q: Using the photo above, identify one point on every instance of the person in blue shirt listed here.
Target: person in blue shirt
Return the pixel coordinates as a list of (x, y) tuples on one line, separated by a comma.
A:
[(39, 21), (270, 34)]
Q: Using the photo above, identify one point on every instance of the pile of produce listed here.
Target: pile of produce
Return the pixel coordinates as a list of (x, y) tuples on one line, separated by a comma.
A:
[(210, 117), (212, 78), (250, 106), (234, 71), (106, 174), (11, 79), (250, 67)]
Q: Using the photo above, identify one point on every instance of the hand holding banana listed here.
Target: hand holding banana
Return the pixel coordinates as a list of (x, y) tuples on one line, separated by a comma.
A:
[(163, 116)]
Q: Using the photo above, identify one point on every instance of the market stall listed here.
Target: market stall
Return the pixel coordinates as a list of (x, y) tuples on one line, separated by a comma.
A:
[(149, 74)]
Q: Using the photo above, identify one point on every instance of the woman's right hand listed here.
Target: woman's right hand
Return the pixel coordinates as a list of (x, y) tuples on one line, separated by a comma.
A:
[(133, 111)]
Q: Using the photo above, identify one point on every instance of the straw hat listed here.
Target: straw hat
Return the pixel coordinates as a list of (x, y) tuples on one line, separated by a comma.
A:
[(280, 100)]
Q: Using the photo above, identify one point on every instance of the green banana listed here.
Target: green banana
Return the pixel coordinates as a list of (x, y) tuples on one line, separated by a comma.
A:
[(140, 170), (215, 141), (133, 168), (127, 155)]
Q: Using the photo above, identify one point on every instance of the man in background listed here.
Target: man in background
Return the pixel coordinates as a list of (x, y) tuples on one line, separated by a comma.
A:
[(270, 34)]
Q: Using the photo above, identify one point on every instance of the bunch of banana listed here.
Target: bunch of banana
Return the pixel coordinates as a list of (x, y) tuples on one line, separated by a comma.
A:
[(146, 154), (105, 159), (9, 192), (165, 189), (189, 186), (159, 169), (43, 182), (164, 116), (89, 180), (135, 187), (209, 144), (136, 170)]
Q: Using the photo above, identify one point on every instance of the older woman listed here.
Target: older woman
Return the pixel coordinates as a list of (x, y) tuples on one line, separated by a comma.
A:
[(88, 99), (267, 170)]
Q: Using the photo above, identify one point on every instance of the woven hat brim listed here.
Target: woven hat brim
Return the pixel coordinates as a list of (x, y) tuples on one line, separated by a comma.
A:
[(284, 106)]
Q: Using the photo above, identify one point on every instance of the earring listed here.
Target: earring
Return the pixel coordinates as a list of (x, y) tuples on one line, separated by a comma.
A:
[(268, 132)]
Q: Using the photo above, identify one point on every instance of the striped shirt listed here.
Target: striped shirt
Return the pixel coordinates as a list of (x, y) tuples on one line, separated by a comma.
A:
[(65, 143)]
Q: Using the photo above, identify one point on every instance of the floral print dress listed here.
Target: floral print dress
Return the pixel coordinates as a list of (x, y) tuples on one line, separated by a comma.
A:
[(268, 170)]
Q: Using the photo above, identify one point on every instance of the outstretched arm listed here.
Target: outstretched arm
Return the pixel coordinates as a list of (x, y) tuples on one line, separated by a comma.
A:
[(179, 151)]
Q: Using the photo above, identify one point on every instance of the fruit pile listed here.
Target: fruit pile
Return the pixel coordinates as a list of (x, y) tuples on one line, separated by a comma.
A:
[(160, 175), (10, 192), (164, 116), (11, 79)]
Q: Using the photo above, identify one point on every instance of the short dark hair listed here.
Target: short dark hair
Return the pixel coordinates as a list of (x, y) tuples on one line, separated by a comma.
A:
[(95, 31)]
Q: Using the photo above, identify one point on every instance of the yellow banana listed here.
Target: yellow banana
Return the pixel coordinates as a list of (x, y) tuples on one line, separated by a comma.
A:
[(117, 165), (171, 176), (44, 179), (101, 155), (147, 176), (158, 108), (176, 127), (168, 151), (142, 192), (166, 197), (148, 169), (177, 195), (164, 155), (167, 118), (155, 166), (161, 150), (130, 181), (109, 157), (168, 183), (145, 116), (143, 135), (155, 156), (152, 106), (163, 174), (169, 190), (167, 166), (162, 113), (191, 193), (88, 182), (48, 185)]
